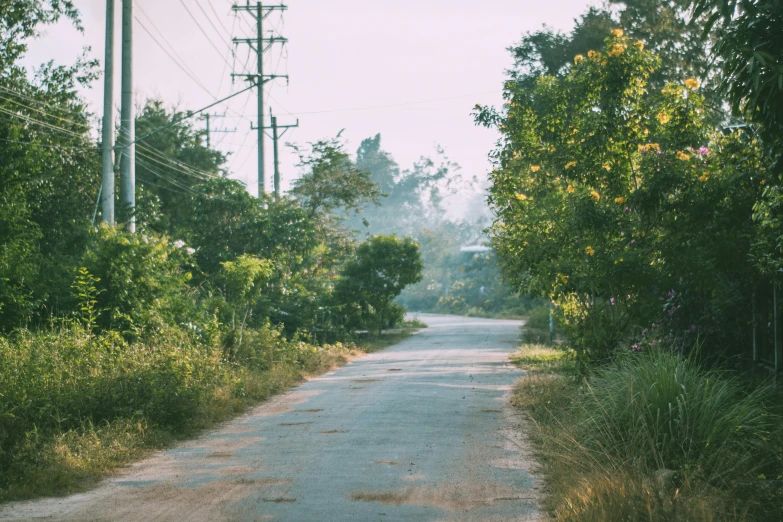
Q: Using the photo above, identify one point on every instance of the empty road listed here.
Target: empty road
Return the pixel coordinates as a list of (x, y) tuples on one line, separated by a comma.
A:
[(418, 432)]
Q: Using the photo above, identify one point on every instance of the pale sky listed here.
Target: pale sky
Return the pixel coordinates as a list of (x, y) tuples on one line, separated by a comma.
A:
[(409, 69)]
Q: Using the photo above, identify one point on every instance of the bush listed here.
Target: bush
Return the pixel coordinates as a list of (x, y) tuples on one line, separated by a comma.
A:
[(142, 279)]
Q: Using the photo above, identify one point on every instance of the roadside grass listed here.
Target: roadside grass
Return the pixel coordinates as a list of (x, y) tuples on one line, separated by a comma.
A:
[(651, 437), (75, 407)]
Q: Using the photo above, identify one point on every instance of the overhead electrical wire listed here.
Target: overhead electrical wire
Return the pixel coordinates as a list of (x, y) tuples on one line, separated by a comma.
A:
[(203, 31), (176, 62), (217, 17)]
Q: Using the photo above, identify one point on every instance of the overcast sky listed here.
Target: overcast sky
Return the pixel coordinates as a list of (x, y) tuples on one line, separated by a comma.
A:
[(411, 70)]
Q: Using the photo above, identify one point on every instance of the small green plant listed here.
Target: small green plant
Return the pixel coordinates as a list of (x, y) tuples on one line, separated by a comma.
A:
[(86, 294)]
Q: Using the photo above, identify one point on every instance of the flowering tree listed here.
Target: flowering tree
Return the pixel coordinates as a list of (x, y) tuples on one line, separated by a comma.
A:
[(598, 184)]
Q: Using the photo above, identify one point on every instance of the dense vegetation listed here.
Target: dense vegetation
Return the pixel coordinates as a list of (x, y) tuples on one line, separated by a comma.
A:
[(637, 188), (112, 342)]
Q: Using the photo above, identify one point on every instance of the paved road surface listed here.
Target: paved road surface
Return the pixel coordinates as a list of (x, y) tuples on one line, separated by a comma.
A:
[(418, 432)]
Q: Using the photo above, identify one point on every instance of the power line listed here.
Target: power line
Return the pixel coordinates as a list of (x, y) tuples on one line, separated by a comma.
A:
[(176, 62), (217, 17), (203, 31), (210, 20), (183, 63), (394, 105)]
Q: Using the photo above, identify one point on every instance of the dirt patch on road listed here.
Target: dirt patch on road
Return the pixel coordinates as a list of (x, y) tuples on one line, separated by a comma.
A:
[(457, 496)]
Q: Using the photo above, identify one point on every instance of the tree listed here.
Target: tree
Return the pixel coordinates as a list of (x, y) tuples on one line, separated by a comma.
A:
[(332, 181), (48, 170), (169, 165), (596, 180), (663, 26), (748, 44), (377, 273)]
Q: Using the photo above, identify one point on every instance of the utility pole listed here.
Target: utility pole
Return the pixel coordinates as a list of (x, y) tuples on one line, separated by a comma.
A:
[(276, 135), (127, 120), (260, 12), (107, 178), (207, 117)]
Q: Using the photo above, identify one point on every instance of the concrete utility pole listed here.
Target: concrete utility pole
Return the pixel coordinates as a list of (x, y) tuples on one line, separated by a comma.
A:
[(128, 120), (107, 179), (260, 12), (276, 135)]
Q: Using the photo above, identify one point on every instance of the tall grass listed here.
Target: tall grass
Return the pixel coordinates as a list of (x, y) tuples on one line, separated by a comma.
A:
[(652, 436), (74, 405)]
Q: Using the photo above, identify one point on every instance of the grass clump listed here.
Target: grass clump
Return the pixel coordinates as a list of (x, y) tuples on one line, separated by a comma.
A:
[(651, 437)]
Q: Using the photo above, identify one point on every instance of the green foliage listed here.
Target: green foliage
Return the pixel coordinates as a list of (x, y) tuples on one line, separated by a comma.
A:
[(751, 56), (596, 177), (86, 293), (664, 27), (331, 181), (171, 164), (142, 279), (379, 270), (20, 20)]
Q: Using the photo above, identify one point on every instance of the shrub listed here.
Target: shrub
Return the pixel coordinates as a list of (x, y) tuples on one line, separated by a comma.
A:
[(142, 279)]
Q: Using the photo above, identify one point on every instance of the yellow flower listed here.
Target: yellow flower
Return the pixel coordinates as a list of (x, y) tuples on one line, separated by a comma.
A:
[(692, 83), (578, 58), (763, 182), (617, 33), (589, 251), (704, 177), (521, 197), (564, 278), (639, 45), (663, 117), (619, 200), (607, 167), (616, 50), (570, 189), (593, 54), (682, 156), (552, 148), (570, 164), (534, 168), (595, 195), (649, 147)]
